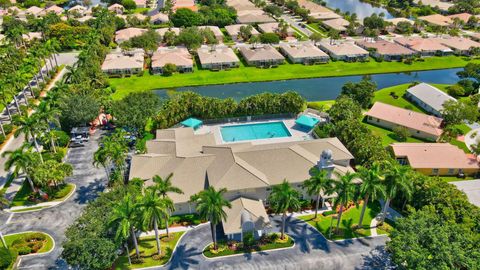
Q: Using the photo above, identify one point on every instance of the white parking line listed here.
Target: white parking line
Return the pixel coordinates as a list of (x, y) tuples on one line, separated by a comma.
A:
[(9, 218)]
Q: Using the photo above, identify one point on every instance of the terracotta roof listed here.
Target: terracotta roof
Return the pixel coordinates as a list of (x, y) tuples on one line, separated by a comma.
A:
[(407, 118), (436, 19), (434, 155), (259, 53), (384, 47), (128, 33), (459, 43), (342, 48), (464, 17), (243, 210), (302, 50), (162, 31), (177, 55), (422, 44), (339, 24)]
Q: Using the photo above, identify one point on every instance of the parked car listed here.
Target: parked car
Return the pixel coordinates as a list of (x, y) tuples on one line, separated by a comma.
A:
[(79, 135)]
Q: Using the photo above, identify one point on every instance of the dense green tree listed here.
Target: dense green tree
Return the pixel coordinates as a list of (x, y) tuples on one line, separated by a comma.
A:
[(345, 108), (456, 112), (169, 69), (405, 28), (185, 17), (77, 110), (190, 37), (52, 172), (129, 4), (147, 41), (396, 182), (124, 218), (210, 205), (269, 38), (218, 15), (362, 92), (22, 160), (92, 253), (284, 198), (274, 10)]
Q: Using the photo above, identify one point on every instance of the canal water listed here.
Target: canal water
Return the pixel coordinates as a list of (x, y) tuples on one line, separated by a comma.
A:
[(317, 88), (362, 9)]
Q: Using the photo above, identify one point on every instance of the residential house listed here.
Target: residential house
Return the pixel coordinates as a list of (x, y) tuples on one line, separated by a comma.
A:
[(128, 33), (79, 11), (34, 11), (246, 170), (32, 36), (217, 57), (261, 56), (245, 216), (216, 32), (234, 31), (141, 3), (424, 46), (274, 28), (437, 20), (116, 8), (339, 24), (178, 56), (253, 16), (159, 18), (429, 98), (318, 12), (435, 158), (53, 9), (395, 21), (123, 63), (419, 125), (443, 6), (463, 17), (304, 52), (459, 45), (190, 4), (389, 51), (346, 51), (162, 31)]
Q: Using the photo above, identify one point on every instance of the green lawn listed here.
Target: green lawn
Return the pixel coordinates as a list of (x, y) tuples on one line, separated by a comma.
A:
[(47, 245), (349, 218), (454, 178), (384, 96), (321, 105), (148, 248), (21, 198), (283, 72), (388, 137), (225, 251)]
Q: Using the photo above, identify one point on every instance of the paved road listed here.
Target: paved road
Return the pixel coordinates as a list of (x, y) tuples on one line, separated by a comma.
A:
[(89, 181), (311, 251), (292, 21)]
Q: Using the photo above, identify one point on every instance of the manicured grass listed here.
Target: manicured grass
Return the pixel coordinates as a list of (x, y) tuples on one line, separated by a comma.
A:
[(454, 178), (461, 145), (47, 244), (283, 72), (225, 251), (183, 220), (384, 96), (388, 137), (148, 248), (28, 209), (321, 105), (349, 218), (386, 228), (21, 198)]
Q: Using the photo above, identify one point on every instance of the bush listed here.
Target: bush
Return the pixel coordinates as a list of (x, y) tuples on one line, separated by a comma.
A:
[(8, 128), (455, 90), (328, 213), (62, 138), (7, 257), (36, 91), (61, 192), (23, 250), (2, 138), (35, 237), (401, 133)]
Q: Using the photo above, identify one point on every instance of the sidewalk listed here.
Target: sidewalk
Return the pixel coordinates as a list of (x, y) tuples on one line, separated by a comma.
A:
[(391, 214)]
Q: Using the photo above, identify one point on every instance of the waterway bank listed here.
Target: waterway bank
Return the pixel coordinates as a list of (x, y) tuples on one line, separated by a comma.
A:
[(245, 74)]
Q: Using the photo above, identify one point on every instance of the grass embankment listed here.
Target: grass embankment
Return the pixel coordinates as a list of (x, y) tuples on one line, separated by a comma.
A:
[(148, 252), (124, 86), (21, 197), (268, 244), (349, 219)]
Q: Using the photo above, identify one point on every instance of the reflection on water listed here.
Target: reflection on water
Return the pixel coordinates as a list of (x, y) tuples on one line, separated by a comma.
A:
[(362, 9), (318, 88)]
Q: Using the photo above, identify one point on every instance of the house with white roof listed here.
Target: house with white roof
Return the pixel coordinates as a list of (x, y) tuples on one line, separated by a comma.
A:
[(428, 97)]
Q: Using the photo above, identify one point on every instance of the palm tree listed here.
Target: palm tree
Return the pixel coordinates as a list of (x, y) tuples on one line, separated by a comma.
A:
[(3, 201), (209, 206), (372, 186), (318, 183), (49, 115), (123, 219), (345, 188), (30, 126), (153, 209), (163, 187), (396, 180), (282, 199), (22, 160)]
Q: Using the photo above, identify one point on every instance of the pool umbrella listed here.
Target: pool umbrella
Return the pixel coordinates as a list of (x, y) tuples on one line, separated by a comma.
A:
[(192, 122), (306, 121)]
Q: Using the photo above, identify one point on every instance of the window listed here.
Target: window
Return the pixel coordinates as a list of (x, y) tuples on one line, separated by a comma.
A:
[(378, 120), (435, 171), (369, 118), (418, 132), (451, 171)]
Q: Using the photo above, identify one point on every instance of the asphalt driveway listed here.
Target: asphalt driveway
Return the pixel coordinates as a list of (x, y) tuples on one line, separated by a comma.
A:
[(311, 251), (89, 181)]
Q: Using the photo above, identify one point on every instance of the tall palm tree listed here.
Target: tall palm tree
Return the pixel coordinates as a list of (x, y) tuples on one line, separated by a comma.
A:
[(30, 126), (284, 198), (345, 188), (21, 160), (123, 219), (372, 186), (163, 187), (318, 183), (396, 181), (209, 206), (153, 209), (49, 114)]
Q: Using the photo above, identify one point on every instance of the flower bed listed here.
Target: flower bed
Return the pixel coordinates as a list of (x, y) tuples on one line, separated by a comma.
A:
[(231, 247), (29, 243)]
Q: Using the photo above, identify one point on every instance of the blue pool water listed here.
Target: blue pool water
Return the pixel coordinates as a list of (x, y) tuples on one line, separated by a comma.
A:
[(254, 131)]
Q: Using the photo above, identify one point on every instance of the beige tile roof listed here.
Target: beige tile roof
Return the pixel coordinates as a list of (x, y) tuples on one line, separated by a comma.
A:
[(234, 30), (464, 17), (342, 48), (384, 47), (272, 28), (241, 5), (78, 8), (459, 43), (302, 50), (120, 60), (177, 55), (34, 10), (140, 3), (259, 53), (339, 24), (55, 9), (242, 210), (420, 44), (192, 158), (434, 155), (128, 33), (116, 8), (436, 19), (215, 29), (32, 36), (395, 21), (162, 31), (159, 17), (249, 16), (442, 5), (214, 55), (407, 118), (318, 11)]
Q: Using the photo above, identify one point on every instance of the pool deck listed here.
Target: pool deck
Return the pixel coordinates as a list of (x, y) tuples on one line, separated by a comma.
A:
[(297, 134)]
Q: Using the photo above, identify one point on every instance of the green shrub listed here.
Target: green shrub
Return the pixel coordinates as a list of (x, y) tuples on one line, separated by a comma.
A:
[(36, 91), (7, 257), (23, 250), (328, 213), (2, 138), (35, 237), (61, 192), (401, 133), (62, 138), (8, 128), (18, 242)]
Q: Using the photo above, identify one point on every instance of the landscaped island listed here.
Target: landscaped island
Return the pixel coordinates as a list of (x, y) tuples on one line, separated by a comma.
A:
[(23, 244), (283, 72)]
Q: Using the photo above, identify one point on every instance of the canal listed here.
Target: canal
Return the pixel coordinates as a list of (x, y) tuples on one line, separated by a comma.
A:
[(362, 9), (317, 88)]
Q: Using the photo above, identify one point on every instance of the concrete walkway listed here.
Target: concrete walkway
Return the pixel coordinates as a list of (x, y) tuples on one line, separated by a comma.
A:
[(392, 214)]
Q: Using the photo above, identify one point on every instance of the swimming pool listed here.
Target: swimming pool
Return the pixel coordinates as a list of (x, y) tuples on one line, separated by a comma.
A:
[(254, 131)]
